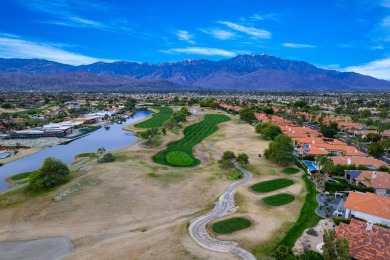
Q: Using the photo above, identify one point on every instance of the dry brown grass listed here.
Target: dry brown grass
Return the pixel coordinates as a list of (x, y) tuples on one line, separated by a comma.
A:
[(135, 208)]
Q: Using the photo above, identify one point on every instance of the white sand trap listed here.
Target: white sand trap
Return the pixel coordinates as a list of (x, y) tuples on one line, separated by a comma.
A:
[(47, 248)]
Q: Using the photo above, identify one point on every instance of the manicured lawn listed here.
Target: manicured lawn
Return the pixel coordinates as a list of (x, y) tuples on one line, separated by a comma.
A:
[(21, 176), (279, 199), (267, 186), (291, 170), (307, 218), (85, 155), (179, 158), (230, 225), (157, 119), (193, 135)]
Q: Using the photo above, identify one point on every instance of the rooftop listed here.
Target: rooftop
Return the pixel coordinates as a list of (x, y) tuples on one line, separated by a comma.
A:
[(363, 244), (369, 203)]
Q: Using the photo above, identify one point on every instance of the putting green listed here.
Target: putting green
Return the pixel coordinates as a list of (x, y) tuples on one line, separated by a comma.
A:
[(291, 170), (193, 134), (179, 158), (267, 186), (279, 199), (230, 225)]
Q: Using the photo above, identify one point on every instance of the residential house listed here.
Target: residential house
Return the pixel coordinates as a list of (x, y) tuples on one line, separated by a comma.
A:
[(370, 162), (368, 206), (380, 181)]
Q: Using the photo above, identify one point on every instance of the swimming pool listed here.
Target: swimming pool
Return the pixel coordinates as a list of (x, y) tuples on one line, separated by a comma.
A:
[(5, 155), (311, 165)]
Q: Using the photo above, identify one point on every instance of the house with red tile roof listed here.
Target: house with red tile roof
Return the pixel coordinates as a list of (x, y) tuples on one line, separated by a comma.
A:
[(380, 181), (370, 162), (368, 206), (366, 241)]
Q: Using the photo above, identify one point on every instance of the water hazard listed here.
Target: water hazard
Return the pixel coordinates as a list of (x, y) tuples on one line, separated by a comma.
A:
[(112, 139)]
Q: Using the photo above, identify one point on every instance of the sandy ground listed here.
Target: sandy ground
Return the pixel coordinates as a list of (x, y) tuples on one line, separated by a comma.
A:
[(22, 153), (120, 211), (267, 221), (313, 242)]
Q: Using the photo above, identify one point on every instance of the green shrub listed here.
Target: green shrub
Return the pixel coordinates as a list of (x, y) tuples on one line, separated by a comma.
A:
[(337, 220), (108, 157), (312, 232), (52, 173), (336, 186)]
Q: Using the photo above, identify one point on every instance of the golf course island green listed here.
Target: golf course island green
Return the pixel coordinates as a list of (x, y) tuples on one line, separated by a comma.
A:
[(267, 186), (279, 199), (179, 153), (157, 119), (230, 225)]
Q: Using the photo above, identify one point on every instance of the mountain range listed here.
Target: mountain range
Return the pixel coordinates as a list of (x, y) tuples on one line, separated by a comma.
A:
[(242, 73)]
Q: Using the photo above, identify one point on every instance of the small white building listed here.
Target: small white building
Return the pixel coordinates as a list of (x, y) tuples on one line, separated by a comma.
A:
[(368, 206)]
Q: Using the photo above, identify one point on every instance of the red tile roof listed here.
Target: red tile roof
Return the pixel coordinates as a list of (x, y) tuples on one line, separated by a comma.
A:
[(377, 180), (357, 160), (363, 244), (369, 203)]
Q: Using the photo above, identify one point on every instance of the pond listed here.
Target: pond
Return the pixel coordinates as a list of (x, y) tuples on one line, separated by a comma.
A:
[(111, 139)]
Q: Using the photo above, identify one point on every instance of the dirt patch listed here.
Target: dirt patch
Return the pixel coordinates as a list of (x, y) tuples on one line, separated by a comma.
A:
[(312, 242)]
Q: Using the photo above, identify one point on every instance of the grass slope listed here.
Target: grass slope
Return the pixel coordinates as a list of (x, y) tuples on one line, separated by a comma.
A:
[(307, 218), (279, 199), (230, 225), (193, 135), (267, 186), (157, 119)]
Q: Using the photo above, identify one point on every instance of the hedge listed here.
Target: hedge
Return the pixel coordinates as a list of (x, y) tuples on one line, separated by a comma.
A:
[(333, 187)]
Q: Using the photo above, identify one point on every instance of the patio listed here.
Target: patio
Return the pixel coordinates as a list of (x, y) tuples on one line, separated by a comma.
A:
[(330, 205)]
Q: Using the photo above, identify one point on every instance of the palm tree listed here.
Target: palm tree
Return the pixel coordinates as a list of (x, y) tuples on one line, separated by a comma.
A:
[(326, 164)]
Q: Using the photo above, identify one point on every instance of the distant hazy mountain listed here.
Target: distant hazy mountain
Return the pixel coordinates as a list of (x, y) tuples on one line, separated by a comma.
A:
[(244, 72)]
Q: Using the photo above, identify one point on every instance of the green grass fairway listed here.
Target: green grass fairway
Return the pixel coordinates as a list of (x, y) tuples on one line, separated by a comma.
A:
[(230, 225), (267, 186), (193, 135), (291, 170), (279, 199), (157, 119), (179, 158)]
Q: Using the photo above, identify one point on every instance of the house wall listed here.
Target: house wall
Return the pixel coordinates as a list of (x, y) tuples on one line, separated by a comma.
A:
[(383, 192), (367, 217)]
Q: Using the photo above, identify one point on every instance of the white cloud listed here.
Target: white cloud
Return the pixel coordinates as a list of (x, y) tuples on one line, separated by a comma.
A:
[(219, 33), (386, 22), (378, 69), (65, 13), (202, 51), (185, 36), (261, 17), (297, 45), (252, 31), (19, 48), (386, 3)]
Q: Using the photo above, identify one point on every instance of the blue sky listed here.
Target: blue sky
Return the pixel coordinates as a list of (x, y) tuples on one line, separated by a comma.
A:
[(347, 35)]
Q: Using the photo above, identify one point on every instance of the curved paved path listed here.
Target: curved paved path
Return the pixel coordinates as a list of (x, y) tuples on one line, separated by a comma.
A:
[(224, 206)]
